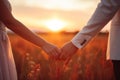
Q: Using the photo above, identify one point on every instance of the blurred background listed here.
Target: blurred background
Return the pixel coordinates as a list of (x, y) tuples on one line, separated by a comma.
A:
[(54, 15), (58, 21)]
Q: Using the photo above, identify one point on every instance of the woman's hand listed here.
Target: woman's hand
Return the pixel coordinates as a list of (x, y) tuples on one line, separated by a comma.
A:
[(16, 26), (51, 49)]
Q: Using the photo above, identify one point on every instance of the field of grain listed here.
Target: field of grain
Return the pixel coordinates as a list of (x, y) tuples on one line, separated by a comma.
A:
[(88, 63)]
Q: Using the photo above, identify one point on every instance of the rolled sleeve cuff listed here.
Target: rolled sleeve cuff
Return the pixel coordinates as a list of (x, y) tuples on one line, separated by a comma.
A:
[(80, 40)]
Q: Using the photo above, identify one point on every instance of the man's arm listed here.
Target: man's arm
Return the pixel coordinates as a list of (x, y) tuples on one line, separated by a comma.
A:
[(104, 12)]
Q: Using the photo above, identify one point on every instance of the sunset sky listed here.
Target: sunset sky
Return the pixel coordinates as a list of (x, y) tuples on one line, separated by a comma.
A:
[(46, 15)]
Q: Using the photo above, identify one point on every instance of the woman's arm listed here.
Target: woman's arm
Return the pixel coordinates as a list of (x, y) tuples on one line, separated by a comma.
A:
[(16, 26)]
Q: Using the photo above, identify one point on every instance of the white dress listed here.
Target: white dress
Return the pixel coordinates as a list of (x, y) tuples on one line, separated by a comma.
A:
[(7, 64)]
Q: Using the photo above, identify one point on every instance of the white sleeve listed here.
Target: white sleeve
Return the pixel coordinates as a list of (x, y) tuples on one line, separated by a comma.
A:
[(104, 12)]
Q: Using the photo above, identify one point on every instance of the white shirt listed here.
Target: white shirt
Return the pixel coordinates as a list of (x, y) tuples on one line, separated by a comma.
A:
[(104, 12)]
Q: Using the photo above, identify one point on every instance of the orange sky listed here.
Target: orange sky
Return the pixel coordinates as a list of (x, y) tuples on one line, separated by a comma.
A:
[(34, 13)]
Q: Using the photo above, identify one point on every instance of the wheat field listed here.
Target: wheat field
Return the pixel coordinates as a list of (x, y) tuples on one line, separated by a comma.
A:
[(88, 63)]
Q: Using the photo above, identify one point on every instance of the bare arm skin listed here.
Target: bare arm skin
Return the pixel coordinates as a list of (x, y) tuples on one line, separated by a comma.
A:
[(16, 26)]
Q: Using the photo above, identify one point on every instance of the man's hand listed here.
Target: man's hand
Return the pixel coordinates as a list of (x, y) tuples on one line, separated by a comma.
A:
[(68, 50)]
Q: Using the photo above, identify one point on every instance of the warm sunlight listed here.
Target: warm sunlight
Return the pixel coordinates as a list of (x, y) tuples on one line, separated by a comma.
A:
[(55, 24)]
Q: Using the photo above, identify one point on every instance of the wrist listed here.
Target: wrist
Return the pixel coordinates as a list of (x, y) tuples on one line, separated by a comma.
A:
[(43, 43), (73, 45)]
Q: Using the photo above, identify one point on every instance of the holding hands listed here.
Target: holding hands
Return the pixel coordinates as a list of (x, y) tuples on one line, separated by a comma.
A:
[(51, 49), (67, 50)]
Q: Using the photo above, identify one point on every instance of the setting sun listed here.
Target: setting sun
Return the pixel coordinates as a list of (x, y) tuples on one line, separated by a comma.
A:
[(55, 24)]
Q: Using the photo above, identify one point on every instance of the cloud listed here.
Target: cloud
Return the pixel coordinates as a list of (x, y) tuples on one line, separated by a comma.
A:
[(34, 11), (56, 4)]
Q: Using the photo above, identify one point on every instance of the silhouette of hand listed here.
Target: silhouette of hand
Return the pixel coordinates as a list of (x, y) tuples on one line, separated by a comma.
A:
[(68, 50), (51, 49)]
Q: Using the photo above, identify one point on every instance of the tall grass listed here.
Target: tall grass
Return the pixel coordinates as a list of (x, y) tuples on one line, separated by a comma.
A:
[(89, 63)]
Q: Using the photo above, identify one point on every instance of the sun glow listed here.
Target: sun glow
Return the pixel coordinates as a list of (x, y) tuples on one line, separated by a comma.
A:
[(55, 24)]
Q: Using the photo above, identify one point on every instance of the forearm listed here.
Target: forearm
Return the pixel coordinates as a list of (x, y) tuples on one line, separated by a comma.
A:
[(24, 32), (8, 19), (102, 15)]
